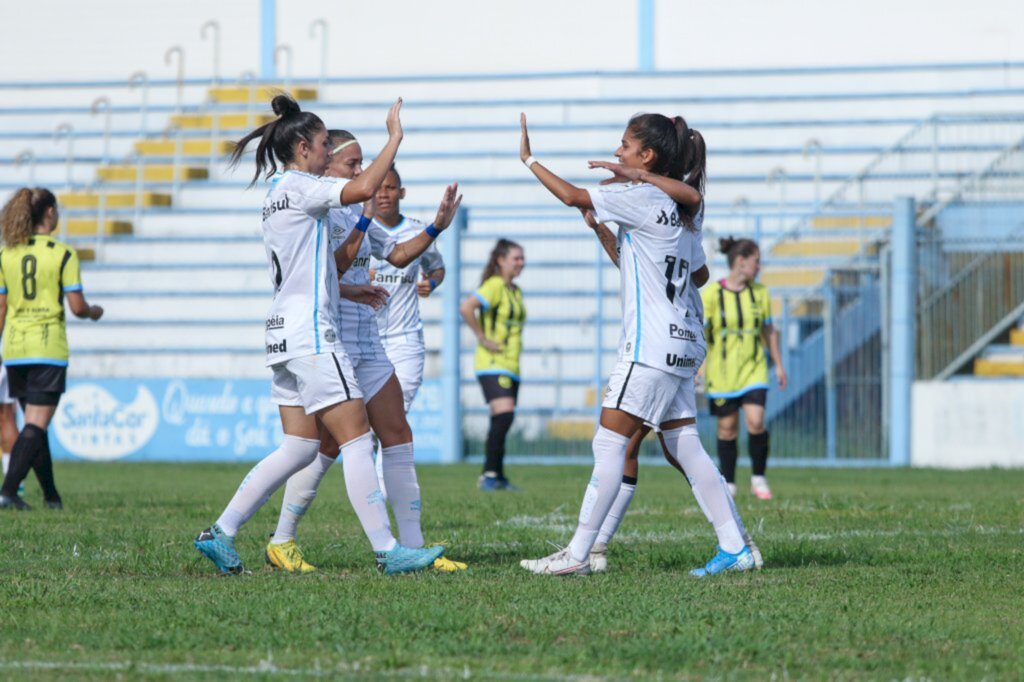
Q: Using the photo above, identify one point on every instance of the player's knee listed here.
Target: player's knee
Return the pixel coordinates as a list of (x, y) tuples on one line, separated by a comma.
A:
[(303, 449)]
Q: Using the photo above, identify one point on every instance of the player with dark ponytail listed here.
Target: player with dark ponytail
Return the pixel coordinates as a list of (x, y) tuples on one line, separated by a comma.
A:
[(657, 203), (313, 380), (738, 311)]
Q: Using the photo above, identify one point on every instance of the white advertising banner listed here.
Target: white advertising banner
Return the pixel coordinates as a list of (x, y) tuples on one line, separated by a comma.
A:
[(968, 423)]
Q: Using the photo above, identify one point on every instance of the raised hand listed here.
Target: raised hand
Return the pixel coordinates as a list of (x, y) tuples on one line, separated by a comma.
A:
[(620, 173), (524, 139), (394, 122), (370, 207), (449, 205), (423, 289)]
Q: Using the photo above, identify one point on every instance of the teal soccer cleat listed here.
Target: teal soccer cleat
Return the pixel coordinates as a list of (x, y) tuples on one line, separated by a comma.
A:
[(218, 547), (742, 560), (406, 559)]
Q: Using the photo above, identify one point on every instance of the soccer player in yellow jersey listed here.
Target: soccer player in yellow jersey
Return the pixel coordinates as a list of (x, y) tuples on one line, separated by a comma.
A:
[(499, 333), (37, 273), (738, 318)]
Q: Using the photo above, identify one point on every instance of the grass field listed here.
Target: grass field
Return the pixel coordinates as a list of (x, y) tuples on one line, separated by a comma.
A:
[(870, 575)]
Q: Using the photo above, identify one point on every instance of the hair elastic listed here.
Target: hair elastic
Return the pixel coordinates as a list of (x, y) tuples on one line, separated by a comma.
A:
[(342, 146)]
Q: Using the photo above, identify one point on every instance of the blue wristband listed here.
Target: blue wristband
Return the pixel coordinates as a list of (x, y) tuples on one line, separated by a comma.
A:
[(363, 223), (432, 231), (433, 284)]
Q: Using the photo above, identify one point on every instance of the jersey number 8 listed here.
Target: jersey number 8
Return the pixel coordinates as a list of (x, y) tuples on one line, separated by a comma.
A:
[(28, 277)]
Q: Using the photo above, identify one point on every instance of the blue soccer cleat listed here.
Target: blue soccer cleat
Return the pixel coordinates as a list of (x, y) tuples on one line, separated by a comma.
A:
[(219, 547), (742, 560), (406, 559)]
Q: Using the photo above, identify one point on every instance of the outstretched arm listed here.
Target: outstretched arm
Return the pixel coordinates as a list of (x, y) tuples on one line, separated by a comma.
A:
[(678, 190), (364, 186), (408, 251), (566, 192), (345, 254)]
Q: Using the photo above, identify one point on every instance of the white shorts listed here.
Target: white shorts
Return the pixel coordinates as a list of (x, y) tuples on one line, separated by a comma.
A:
[(5, 392), (372, 374), (314, 382), (408, 355), (650, 394)]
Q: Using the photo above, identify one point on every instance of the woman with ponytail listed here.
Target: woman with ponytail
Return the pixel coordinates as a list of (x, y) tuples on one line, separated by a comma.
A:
[(495, 313), (37, 273), (313, 380), (738, 311), (656, 199)]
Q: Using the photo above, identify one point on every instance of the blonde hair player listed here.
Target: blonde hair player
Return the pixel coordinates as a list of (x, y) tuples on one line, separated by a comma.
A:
[(373, 372), (37, 273), (662, 335), (313, 380)]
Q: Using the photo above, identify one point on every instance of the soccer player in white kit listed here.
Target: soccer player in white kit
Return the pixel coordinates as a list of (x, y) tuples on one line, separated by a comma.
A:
[(398, 321), (313, 381), (374, 373), (663, 337)]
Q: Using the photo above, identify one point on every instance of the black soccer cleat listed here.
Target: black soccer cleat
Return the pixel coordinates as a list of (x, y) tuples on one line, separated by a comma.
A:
[(54, 504), (14, 502)]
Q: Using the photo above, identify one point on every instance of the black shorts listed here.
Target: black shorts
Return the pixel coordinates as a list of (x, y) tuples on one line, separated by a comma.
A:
[(723, 407), (36, 384), (498, 386)]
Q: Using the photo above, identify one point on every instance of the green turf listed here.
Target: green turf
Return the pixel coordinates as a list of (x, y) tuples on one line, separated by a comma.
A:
[(871, 575)]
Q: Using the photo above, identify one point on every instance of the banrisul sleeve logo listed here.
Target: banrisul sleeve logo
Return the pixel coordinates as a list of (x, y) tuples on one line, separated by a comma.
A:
[(95, 424)]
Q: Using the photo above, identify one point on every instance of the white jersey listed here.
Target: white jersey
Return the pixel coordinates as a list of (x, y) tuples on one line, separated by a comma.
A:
[(358, 324), (302, 319), (661, 326), (401, 315)]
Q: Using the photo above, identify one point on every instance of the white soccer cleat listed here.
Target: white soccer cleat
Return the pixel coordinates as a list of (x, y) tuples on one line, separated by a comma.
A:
[(559, 563), (759, 486), (732, 488)]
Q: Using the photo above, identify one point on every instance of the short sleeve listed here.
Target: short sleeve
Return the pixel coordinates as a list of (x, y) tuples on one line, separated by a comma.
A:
[(70, 272), (431, 259), (489, 293), (321, 195), (766, 307), (698, 258), (626, 205), (381, 241)]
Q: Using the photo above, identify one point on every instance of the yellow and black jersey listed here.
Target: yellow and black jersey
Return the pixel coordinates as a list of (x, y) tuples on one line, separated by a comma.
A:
[(736, 361), (35, 276), (502, 315)]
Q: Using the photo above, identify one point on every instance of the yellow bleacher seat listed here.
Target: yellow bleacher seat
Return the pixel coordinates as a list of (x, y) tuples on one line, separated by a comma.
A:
[(817, 247), (152, 173), (998, 368), (86, 254), (166, 147), (792, 277), (114, 199), (85, 227), (1017, 337), (240, 94), (827, 222), (229, 120), (571, 429)]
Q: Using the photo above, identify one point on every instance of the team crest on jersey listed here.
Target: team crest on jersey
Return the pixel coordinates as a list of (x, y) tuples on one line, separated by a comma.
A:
[(629, 346), (330, 336), (505, 382), (720, 401)]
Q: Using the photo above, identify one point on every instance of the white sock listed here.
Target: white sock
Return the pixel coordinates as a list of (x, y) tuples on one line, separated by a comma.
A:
[(363, 492), (299, 493), (400, 476), (616, 513), (6, 461), (708, 485), (263, 479), (609, 461), (379, 464)]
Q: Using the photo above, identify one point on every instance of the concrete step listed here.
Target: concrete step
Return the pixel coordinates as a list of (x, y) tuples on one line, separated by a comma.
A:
[(1004, 352), (145, 280), (152, 173)]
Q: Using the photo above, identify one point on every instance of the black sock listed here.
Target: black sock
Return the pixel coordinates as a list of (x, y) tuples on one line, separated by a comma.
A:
[(500, 424), (23, 456), (727, 453), (43, 467), (758, 445)]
